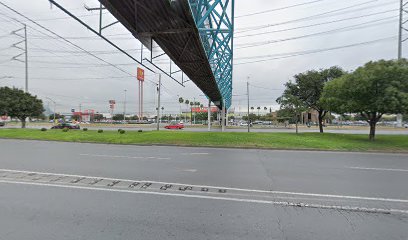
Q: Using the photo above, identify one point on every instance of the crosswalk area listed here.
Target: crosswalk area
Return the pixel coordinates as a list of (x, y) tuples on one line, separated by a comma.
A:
[(279, 198)]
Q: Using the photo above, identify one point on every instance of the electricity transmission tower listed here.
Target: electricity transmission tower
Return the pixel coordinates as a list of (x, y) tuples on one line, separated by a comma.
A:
[(403, 26), (17, 45)]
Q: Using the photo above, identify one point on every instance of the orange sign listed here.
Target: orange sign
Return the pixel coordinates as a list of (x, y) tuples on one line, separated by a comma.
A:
[(140, 74)]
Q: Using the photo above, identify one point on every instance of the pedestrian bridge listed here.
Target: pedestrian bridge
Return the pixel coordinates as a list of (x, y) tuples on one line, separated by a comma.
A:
[(197, 35)]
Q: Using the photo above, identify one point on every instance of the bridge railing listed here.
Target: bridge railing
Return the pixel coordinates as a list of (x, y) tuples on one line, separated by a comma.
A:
[(215, 22)]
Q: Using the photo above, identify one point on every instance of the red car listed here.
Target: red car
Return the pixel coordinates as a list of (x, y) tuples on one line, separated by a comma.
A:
[(174, 126)]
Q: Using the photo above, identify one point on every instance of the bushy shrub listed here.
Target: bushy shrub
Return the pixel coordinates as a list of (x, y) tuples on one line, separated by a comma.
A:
[(119, 130), (140, 130), (43, 129), (85, 129), (100, 131), (122, 131), (65, 129)]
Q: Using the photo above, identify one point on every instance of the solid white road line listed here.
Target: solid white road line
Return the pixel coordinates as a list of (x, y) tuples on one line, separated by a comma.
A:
[(227, 188), (115, 156), (381, 169), (195, 154), (332, 207)]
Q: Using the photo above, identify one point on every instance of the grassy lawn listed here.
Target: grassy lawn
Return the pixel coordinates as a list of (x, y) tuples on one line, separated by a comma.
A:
[(312, 141)]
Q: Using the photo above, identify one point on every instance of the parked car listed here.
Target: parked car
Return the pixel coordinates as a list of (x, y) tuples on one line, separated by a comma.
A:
[(66, 125), (174, 126), (245, 124), (2, 124), (406, 125)]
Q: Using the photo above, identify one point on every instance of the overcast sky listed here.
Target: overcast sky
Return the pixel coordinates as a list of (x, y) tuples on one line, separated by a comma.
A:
[(270, 48)]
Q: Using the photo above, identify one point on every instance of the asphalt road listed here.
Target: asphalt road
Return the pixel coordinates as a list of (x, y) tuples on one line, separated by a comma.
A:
[(52, 190)]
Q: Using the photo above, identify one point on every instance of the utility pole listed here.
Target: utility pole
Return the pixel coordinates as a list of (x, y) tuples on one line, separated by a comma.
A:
[(158, 103), (124, 107), (400, 42), (80, 112), (25, 49), (400, 29), (248, 105), (194, 112), (209, 114)]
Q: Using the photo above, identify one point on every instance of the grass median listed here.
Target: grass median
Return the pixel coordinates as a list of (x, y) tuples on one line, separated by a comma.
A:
[(310, 141)]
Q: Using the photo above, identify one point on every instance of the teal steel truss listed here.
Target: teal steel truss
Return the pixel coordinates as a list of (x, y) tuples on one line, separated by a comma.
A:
[(215, 22)]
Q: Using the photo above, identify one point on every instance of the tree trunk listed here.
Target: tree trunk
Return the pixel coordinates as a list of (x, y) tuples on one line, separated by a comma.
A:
[(321, 121), (23, 122), (297, 123), (373, 124), (297, 128)]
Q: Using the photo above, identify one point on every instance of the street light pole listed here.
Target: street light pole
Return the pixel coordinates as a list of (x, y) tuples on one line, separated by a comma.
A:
[(124, 107), (194, 112), (158, 103), (248, 105)]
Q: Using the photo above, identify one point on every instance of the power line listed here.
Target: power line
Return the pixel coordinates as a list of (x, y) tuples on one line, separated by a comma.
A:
[(62, 38), (316, 16), (316, 24), (278, 9), (270, 89), (295, 54), (342, 29)]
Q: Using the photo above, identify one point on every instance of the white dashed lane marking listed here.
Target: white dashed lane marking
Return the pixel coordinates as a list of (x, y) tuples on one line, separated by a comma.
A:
[(118, 156), (380, 169)]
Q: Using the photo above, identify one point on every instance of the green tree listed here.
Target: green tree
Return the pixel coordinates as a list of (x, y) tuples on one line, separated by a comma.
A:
[(202, 116), (259, 108), (373, 90), (98, 117), (135, 117), (117, 117), (252, 117), (18, 104), (181, 100), (308, 87), (57, 116), (293, 105), (76, 117)]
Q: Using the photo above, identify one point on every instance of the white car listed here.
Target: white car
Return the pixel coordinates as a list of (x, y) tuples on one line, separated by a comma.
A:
[(406, 125)]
